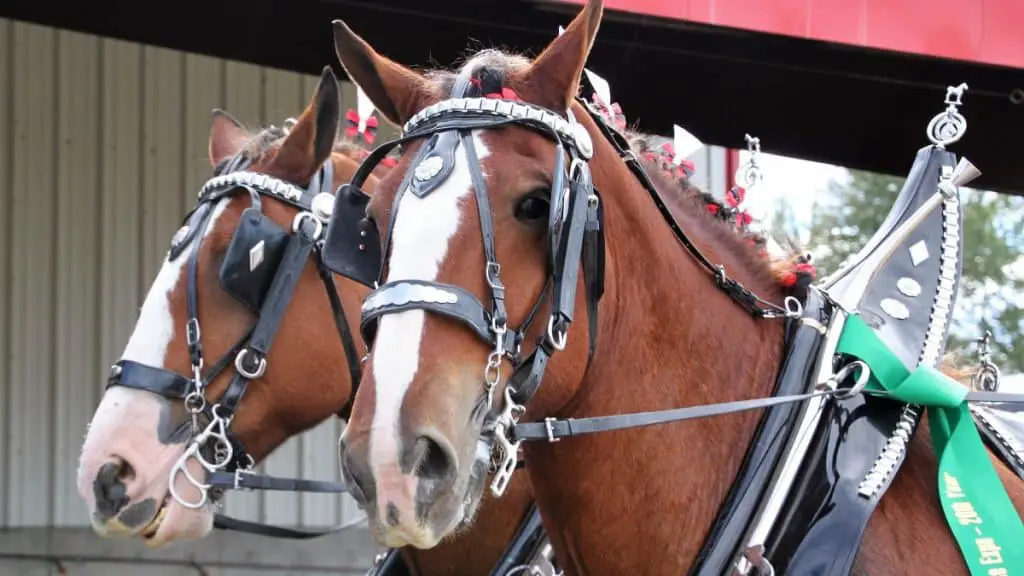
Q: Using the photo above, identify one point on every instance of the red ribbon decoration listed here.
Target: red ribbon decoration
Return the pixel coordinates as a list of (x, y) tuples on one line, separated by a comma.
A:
[(734, 197), (352, 127), (505, 94), (611, 112), (684, 169)]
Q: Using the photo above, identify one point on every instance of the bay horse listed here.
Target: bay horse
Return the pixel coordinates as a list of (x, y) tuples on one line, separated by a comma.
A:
[(484, 179), (307, 378)]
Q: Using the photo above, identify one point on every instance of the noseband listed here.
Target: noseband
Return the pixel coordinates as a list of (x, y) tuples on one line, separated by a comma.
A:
[(261, 270)]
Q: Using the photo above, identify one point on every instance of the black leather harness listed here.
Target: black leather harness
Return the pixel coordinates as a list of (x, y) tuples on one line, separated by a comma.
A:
[(261, 269)]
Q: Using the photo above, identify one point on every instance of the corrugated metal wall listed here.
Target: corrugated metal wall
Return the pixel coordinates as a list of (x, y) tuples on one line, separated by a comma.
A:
[(102, 148)]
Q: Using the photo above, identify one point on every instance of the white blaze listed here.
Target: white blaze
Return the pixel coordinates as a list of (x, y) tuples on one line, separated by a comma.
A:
[(153, 333), (419, 244)]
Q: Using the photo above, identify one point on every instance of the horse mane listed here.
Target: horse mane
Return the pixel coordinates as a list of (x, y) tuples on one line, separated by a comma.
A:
[(747, 245), (261, 141)]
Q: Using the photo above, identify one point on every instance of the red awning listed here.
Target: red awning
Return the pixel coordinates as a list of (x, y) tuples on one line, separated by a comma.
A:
[(983, 31)]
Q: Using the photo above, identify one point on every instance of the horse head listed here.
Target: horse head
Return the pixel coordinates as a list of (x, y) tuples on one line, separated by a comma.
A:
[(466, 211), (216, 373)]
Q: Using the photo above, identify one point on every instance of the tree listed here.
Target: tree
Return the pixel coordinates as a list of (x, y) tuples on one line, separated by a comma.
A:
[(848, 213)]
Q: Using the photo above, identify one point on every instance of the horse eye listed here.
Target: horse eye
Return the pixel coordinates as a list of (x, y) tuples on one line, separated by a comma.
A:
[(531, 208)]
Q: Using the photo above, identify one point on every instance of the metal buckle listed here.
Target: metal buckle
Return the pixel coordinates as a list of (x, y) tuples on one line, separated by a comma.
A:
[(238, 479), (261, 366), (301, 217), (549, 428), (557, 342)]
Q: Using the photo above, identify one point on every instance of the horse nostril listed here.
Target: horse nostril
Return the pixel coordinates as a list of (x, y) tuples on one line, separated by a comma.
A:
[(110, 487), (357, 480), (429, 459)]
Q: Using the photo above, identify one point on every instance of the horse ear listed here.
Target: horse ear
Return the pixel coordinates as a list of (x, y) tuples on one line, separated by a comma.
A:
[(227, 137), (556, 71), (396, 91), (311, 140)]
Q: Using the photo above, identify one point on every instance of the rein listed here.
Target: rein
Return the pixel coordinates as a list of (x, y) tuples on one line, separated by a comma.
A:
[(231, 466)]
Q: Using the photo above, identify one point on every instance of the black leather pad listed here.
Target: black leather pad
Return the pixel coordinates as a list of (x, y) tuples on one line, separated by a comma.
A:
[(252, 258), (352, 244)]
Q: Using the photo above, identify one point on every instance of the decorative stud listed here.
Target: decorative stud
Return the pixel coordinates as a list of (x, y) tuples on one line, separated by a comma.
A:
[(323, 205), (919, 252), (428, 168), (584, 144), (180, 235), (256, 256), (908, 286), (895, 308)]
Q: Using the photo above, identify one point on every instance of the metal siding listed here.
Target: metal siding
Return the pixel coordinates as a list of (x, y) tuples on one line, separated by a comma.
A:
[(76, 355), (31, 427), (103, 145), (6, 218)]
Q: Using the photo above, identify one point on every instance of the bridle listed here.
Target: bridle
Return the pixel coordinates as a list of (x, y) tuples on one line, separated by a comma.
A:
[(231, 466), (575, 238)]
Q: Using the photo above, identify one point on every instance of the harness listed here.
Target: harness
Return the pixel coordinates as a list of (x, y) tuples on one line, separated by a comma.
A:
[(575, 238), (261, 268), (773, 510)]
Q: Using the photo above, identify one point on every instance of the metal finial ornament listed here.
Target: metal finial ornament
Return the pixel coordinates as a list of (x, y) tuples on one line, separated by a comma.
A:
[(987, 378), (750, 175), (949, 125)]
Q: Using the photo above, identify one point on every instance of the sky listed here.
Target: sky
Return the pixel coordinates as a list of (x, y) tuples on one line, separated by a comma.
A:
[(796, 180)]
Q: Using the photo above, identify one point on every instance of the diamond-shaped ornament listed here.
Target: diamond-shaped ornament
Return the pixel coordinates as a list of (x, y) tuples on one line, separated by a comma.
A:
[(256, 256)]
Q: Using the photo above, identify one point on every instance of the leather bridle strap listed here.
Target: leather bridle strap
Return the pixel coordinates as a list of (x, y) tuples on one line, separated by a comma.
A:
[(552, 429)]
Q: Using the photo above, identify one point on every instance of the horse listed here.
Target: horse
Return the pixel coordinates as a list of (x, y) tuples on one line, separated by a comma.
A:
[(136, 436), (482, 216)]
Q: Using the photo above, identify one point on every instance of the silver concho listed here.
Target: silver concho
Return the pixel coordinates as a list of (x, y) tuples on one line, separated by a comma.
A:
[(895, 308), (180, 235), (428, 168), (323, 205), (584, 144), (908, 286)]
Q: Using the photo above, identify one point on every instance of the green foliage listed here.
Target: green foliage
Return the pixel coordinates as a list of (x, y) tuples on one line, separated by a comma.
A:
[(848, 213)]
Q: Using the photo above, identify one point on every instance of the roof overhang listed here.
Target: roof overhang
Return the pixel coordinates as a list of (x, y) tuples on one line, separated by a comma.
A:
[(830, 102)]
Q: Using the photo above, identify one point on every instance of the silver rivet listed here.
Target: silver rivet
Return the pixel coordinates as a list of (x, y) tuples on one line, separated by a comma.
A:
[(429, 168), (362, 247), (362, 233), (919, 252), (908, 286), (895, 308)]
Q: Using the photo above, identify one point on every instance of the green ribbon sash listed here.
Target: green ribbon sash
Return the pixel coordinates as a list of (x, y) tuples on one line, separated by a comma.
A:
[(979, 512)]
